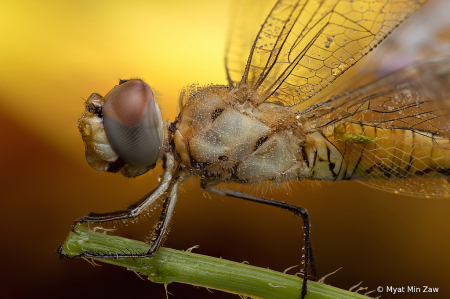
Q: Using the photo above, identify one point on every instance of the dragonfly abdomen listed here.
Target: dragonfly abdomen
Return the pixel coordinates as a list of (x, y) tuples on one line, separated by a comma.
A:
[(371, 152)]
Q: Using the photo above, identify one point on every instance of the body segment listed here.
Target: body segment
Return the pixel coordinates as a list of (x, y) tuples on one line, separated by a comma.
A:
[(236, 141), (382, 153)]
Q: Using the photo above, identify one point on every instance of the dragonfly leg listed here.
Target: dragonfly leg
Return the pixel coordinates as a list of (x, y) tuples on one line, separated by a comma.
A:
[(160, 229), (136, 209), (168, 207), (299, 211)]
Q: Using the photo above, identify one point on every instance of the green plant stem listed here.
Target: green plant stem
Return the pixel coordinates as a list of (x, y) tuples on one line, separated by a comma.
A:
[(170, 265)]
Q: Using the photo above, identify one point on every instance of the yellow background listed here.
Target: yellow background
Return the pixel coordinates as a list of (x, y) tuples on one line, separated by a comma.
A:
[(54, 54)]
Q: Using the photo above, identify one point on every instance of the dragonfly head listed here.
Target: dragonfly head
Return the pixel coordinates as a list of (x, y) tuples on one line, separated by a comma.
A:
[(124, 130)]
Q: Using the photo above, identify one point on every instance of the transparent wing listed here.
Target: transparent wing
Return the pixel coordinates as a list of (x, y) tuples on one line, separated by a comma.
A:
[(398, 123), (432, 187), (305, 45), (245, 21), (416, 98)]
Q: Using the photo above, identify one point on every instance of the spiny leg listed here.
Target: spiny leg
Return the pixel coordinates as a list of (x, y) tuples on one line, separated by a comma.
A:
[(166, 214), (159, 232), (136, 209), (299, 211)]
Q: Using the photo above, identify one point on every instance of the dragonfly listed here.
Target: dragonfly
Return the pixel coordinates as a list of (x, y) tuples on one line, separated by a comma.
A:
[(268, 124)]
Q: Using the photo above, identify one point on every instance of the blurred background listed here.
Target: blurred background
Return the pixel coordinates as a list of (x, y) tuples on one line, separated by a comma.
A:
[(54, 54)]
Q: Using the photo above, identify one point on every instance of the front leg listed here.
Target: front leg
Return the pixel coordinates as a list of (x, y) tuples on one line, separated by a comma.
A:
[(136, 209), (159, 231), (299, 211)]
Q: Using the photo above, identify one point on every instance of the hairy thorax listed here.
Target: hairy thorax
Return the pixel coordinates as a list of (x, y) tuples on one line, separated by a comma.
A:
[(221, 133)]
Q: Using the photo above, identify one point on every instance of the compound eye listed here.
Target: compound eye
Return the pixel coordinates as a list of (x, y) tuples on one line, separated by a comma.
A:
[(133, 123)]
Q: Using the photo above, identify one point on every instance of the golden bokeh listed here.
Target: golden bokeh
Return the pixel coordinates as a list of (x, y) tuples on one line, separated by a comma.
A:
[(54, 54)]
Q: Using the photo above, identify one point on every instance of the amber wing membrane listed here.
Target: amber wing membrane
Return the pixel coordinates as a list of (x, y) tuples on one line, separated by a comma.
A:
[(304, 45), (246, 17), (395, 131), (431, 187), (415, 98)]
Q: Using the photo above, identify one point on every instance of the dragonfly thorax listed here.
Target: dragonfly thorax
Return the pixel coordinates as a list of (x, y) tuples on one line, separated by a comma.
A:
[(222, 136)]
